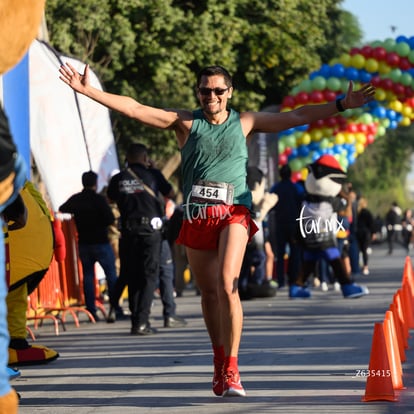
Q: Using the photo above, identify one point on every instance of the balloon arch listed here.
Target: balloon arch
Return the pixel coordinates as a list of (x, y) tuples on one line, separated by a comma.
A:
[(389, 66)]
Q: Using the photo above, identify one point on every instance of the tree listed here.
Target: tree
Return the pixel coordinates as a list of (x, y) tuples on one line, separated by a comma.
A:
[(151, 49)]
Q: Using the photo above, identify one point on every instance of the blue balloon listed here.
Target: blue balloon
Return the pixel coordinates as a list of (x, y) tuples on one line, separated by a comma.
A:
[(351, 73), (364, 76), (400, 39), (379, 112), (391, 114), (338, 70), (325, 70), (302, 128), (410, 41), (303, 151), (393, 124), (314, 74), (293, 154)]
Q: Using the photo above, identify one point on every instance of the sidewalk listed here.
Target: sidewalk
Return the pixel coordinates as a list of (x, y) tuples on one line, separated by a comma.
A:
[(296, 356)]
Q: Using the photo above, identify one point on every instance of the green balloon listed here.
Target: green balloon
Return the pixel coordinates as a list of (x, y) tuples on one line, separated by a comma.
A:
[(406, 79), (389, 45), (333, 84), (402, 48), (281, 146), (395, 75), (411, 56), (295, 164), (319, 83), (306, 85)]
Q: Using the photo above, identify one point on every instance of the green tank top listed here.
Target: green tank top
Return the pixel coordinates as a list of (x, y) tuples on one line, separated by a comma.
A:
[(216, 153)]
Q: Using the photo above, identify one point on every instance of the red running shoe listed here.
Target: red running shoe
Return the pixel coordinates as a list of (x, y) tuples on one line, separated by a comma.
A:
[(232, 385), (218, 381)]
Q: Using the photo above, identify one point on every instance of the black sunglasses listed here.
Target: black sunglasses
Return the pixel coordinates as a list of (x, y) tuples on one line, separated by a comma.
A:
[(217, 91)]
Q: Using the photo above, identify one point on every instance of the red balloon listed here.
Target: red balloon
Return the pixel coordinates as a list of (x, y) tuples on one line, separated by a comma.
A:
[(387, 83), (376, 81), (288, 151), (366, 51), (320, 123), (296, 176), (362, 128), (352, 128), (354, 51), (393, 59), (316, 96), (289, 101), (370, 139), (409, 93), (405, 63), (329, 95), (398, 89), (331, 122), (379, 53), (302, 98), (283, 159), (372, 128)]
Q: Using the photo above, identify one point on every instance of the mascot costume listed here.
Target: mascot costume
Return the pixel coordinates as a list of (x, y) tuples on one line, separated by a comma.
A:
[(319, 225), (30, 248), (25, 15)]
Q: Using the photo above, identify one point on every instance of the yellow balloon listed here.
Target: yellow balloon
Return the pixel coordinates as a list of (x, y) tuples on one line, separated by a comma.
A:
[(359, 148), (380, 94), (340, 138), (383, 68), (371, 65), (316, 134), (405, 121), (361, 138), (358, 61), (407, 111), (396, 105), (306, 138), (304, 172), (345, 59), (389, 96), (349, 138)]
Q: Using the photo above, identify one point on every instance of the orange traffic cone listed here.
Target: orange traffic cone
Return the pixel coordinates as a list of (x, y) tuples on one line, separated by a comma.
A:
[(407, 305), (398, 330), (403, 319), (379, 387), (408, 274), (393, 352)]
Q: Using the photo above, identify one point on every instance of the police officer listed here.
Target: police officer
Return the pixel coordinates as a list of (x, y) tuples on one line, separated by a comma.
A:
[(136, 191)]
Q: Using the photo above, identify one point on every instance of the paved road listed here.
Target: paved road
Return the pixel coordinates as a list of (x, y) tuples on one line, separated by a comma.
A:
[(296, 356)]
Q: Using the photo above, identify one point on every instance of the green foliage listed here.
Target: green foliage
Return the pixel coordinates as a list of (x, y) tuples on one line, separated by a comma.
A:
[(380, 172), (152, 49)]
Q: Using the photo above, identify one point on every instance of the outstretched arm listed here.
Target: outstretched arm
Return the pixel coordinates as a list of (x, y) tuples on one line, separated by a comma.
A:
[(271, 122), (158, 118)]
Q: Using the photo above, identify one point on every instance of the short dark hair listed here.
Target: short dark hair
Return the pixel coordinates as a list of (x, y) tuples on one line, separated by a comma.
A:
[(136, 149), (213, 71), (285, 172), (89, 179)]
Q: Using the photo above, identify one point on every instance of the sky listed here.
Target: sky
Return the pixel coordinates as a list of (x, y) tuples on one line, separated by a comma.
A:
[(378, 17)]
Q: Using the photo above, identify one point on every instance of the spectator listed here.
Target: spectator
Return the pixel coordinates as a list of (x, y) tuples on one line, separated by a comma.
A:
[(407, 230), (393, 224), (365, 231), (286, 213), (93, 216)]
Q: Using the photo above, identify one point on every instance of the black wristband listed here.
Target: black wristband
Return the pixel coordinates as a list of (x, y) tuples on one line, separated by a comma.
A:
[(339, 106)]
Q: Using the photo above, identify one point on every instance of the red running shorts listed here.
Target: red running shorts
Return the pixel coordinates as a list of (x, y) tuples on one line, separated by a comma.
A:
[(202, 232)]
